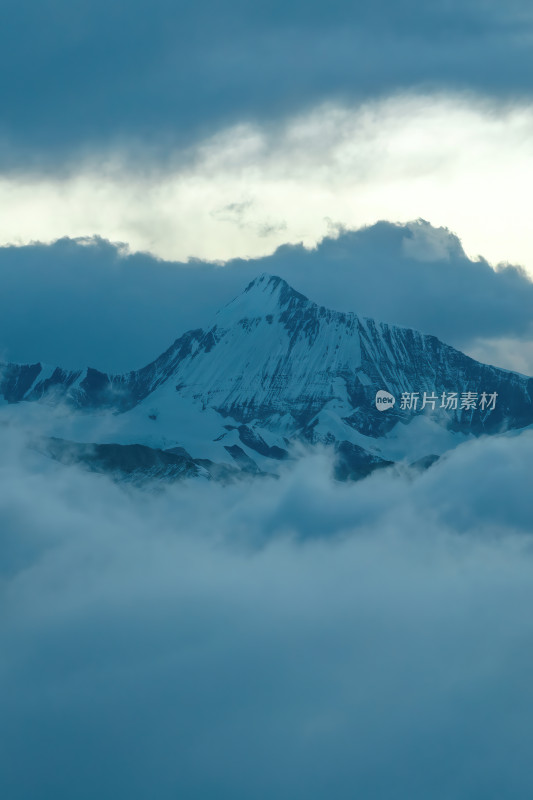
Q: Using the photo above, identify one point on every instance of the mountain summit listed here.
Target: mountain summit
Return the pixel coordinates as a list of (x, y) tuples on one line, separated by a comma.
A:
[(266, 294)]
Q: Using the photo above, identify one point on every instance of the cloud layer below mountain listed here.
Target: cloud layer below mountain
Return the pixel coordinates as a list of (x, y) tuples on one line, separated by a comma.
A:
[(319, 640)]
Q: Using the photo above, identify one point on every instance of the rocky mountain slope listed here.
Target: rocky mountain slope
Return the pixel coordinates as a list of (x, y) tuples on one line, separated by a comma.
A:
[(275, 372)]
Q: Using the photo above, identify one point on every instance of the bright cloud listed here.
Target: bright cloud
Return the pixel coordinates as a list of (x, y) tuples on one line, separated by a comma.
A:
[(457, 161)]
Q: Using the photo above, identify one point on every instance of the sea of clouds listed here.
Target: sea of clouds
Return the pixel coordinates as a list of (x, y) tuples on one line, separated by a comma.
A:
[(291, 638)]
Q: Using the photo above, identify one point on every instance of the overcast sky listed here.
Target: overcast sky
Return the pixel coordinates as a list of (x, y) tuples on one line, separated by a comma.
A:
[(219, 130), (223, 132)]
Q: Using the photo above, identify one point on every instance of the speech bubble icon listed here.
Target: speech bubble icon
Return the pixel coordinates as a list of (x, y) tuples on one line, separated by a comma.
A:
[(384, 400)]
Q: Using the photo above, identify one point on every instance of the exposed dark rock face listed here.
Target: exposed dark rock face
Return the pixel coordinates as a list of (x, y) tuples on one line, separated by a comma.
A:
[(132, 462)]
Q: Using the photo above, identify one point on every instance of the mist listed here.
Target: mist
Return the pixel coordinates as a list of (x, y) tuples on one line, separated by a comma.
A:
[(275, 638)]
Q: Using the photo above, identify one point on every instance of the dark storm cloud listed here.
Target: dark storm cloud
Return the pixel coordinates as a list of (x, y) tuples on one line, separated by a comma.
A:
[(81, 76), (82, 303), (370, 640)]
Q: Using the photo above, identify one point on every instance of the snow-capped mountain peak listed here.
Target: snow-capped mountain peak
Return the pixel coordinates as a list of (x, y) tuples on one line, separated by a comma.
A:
[(265, 295), (274, 368)]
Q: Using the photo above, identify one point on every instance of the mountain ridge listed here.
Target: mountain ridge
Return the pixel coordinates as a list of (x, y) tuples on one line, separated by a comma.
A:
[(273, 363)]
